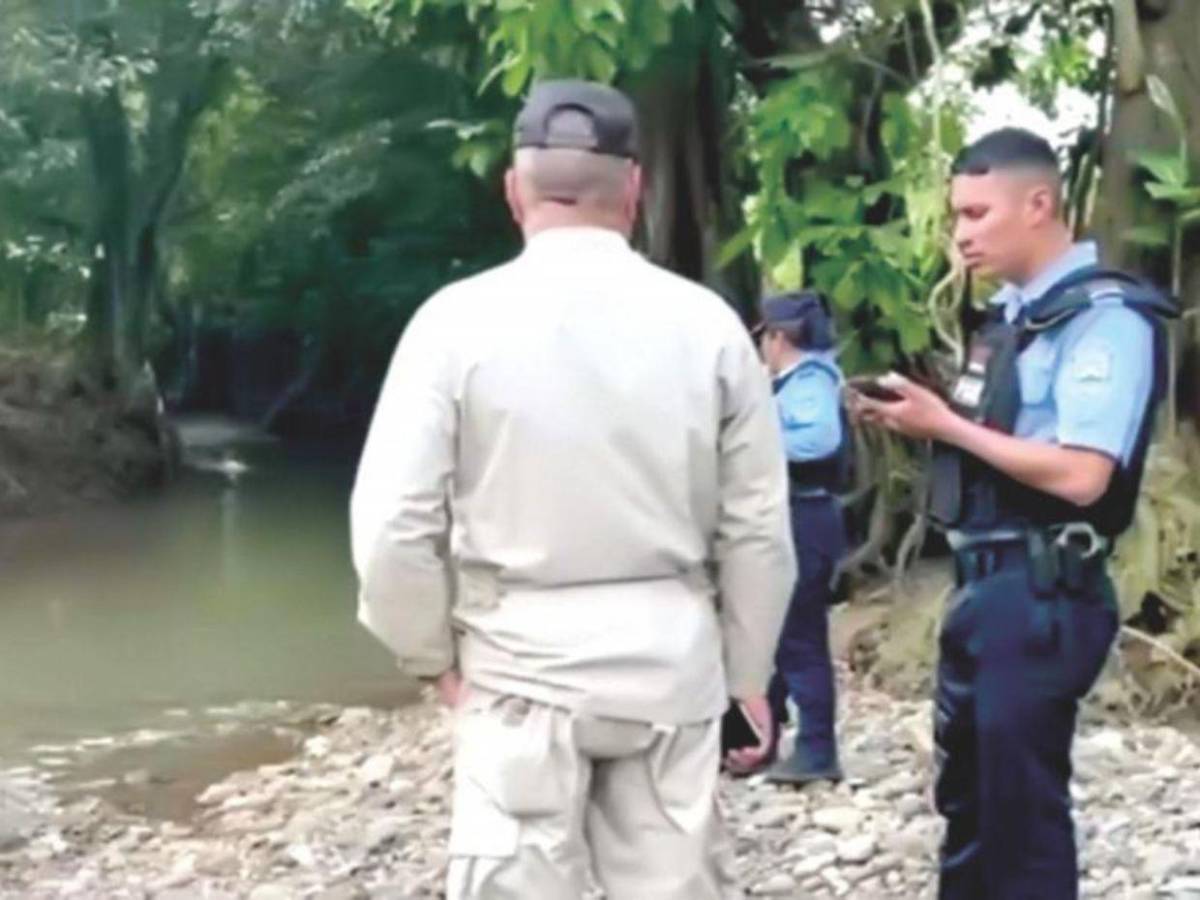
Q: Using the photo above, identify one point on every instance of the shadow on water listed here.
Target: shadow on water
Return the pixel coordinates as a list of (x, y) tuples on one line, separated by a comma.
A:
[(197, 624)]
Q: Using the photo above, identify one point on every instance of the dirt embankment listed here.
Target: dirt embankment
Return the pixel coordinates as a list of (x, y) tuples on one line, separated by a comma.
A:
[(64, 443)]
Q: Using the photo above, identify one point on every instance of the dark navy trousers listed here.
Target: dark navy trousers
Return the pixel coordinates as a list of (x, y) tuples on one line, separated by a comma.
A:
[(1014, 664), (803, 666)]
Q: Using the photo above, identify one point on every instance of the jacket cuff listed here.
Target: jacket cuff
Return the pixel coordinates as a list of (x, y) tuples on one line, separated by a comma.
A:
[(744, 682), (422, 668)]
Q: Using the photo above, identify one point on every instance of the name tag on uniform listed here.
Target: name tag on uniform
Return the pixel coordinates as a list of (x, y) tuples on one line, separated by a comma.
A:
[(968, 390)]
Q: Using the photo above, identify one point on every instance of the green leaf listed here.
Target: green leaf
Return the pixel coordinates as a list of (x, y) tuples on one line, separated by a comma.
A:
[(656, 21), (848, 291), (1160, 96), (515, 76), (1147, 236), (736, 246), (775, 242), (495, 72), (480, 160), (884, 289), (600, 63), (796, 62), (614, 9), (1168, 168), (788, 275), (823, 200), (872, 192), (1180, 196), (913, 331), (892, 244)]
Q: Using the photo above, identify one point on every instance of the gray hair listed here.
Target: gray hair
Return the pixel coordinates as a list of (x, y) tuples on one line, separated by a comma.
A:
[(573, 177)]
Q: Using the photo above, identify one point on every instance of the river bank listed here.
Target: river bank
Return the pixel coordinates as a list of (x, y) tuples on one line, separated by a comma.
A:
[(362, 812), (65, 443)]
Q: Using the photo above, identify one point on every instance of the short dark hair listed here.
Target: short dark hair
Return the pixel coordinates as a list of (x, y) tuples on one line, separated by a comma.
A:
[(796, 335), (1006, 149)]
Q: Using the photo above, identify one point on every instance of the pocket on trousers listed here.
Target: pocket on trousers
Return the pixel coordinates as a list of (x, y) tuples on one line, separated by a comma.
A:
[(478, 827), (684, 767), (1092, 634), (957, 624), (1043, 627), (504, 745)]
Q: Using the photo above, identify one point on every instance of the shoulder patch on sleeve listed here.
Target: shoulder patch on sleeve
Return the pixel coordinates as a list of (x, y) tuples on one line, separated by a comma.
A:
[(1092, 362)]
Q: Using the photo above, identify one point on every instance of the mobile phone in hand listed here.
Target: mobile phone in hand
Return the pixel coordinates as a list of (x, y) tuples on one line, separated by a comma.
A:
[(739, 730), (870, 386)]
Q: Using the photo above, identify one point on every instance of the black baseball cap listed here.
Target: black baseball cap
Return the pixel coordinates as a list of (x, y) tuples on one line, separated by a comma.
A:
[(605, 120)]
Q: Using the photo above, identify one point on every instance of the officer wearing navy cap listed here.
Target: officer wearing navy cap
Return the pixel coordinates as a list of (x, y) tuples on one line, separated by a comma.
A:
[(1039, 452), (797, 343)]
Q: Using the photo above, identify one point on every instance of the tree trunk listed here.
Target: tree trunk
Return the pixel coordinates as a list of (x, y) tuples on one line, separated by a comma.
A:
[(1153, 37), (108, 138), (690, 206), (134, 189)]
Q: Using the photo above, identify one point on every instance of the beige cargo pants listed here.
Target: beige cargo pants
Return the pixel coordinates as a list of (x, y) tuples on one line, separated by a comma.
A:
[(541, 796)]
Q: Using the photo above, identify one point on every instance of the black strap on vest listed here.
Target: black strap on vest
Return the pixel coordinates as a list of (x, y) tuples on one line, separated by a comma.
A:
[(971, 495)]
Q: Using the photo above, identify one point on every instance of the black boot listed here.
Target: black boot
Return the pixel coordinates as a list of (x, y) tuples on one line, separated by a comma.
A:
[(804, 767)]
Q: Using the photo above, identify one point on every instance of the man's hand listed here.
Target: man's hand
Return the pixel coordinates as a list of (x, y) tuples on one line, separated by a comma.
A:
[(1076, 474), (449, 687), (745, 760), (919, 414)]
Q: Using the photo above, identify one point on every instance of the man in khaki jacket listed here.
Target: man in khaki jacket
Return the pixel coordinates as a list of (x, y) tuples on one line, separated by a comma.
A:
[(571, 513)]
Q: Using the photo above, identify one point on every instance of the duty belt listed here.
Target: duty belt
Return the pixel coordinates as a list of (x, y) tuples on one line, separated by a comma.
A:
[(807, 493), (1068, 555)]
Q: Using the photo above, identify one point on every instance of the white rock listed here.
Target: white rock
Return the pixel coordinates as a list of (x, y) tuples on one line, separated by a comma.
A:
[(771, 817), (911, 806), (908, 844), (216, 794), (306, 828), (812, 865), (779, 883), (856, 849), (382, 832), (377, 768), (401, 787), (897, 785), (301, 854), (317, 746), (272, 892), (1160, 863), (838, 818)]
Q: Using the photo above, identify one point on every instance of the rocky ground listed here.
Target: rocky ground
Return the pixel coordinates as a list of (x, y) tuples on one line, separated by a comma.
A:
[(361, 812)]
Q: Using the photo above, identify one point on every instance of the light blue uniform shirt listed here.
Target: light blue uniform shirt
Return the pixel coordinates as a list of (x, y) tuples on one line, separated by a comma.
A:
[(809, 407), (1087, 382)]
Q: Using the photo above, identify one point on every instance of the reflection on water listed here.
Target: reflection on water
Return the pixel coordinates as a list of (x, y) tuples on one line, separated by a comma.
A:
[(221, 592)]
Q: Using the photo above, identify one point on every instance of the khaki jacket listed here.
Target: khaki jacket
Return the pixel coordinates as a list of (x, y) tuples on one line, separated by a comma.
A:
[(574, 488)]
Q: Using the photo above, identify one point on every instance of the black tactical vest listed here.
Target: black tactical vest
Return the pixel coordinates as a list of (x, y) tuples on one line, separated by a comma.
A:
[(833, 473), (967, 494)]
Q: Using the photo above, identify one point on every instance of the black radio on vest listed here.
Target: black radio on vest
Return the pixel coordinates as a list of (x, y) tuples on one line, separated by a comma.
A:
[(970, 495)]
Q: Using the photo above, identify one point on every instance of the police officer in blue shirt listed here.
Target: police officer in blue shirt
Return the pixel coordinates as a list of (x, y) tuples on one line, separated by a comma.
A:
[(1038, 457), (797, 345)]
